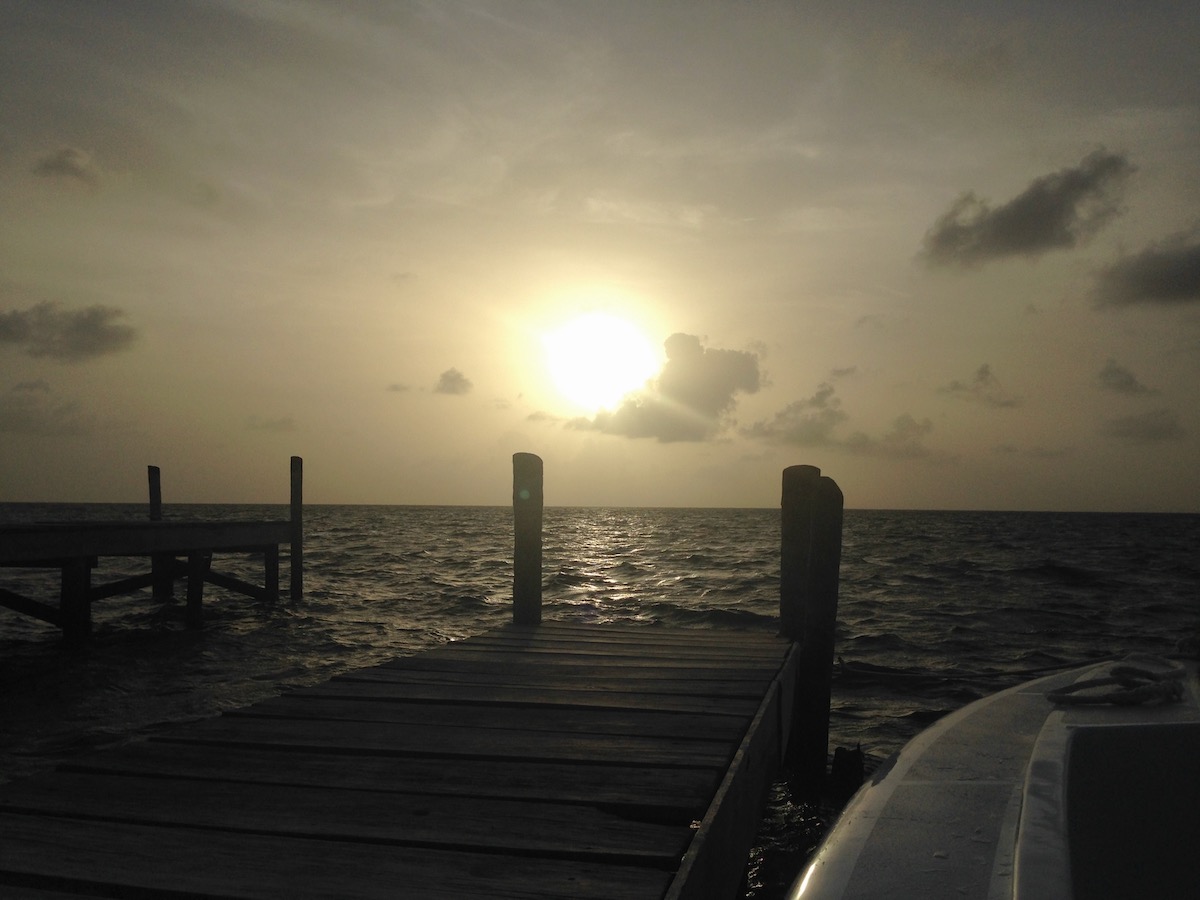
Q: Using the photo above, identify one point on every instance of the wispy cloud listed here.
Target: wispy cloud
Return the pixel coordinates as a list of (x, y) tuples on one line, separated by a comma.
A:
[(30, 408), (1165, 273), (983, 388), (1056, 212), (453, 382), (904, 440), (280, 424), (814, 422), (805, 423), (70, 164), (1119, 380), (71, 335), (690, 399), (1151, 427)]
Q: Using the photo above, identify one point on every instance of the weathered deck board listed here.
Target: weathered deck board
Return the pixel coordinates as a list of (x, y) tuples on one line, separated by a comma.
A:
[(535, 761)]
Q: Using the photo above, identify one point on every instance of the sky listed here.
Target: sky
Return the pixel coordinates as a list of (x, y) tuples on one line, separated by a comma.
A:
[(947, 252)]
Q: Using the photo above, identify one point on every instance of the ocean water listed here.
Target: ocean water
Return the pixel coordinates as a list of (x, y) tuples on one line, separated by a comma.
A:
[(936, 609)]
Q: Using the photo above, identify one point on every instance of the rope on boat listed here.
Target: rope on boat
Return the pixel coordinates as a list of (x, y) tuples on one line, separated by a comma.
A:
[(1128, 684)]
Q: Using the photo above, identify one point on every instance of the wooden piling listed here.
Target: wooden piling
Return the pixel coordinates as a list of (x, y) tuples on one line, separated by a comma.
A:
[(162, 566), (155, 476), (297, 529), (810, 560), (527, 541)]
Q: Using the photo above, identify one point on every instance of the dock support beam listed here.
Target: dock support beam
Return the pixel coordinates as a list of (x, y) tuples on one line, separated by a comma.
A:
[(297, 532), (527, 541), (162, 565), (810, 560)]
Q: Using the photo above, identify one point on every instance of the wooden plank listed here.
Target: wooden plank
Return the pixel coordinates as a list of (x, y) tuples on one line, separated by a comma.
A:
[(612, 680), (453, 742), (104, 856), (551, 649), (34, 608), (498, 664), (27, 543), (589, 695), (533, 718), (653, 794), (550, 830)]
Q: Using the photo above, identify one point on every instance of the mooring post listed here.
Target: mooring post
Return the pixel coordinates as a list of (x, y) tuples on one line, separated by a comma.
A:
[(155, 476), (297, 530), (162, 565), (75, 600), (527, 540), (810, 560)]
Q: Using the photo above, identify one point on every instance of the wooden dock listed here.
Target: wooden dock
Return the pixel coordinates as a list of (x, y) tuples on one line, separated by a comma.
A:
[(175, 550), (537, 760), (547, 761)]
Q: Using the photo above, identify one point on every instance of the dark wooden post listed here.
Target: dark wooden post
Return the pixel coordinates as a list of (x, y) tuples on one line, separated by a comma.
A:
[(162, 566), (198, 563), (527, 543), (75, 601), (810, 560), (155, 476), (297, 535)]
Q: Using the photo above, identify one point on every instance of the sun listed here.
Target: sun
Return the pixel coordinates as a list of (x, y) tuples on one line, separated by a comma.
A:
[(595, 360)]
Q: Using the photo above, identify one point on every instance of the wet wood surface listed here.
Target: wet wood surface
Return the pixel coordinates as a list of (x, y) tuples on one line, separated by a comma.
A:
[(531, 761)]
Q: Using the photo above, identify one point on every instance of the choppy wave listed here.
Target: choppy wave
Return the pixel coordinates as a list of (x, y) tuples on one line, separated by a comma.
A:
[(936, 609)]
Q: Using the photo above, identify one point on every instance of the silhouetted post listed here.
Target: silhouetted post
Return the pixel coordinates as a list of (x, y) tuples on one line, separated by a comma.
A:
[(297, 531), (155, 476), (527, 542), (810, 560), (75, 602), (162, 566)]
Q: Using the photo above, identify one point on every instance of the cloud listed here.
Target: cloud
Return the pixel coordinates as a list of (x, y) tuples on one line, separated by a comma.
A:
[(66, 335), (1055, 212), (29, 408), (452, 381), (1146, 428), (69, 163), (904, 440), (282, 424), (1118, 379), (813, 422), (804, 423), (397, 388), (691, 398), (1164, 273), (984, 388)]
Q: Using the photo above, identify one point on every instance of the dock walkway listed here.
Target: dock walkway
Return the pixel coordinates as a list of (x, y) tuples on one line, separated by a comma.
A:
[(552, 760)]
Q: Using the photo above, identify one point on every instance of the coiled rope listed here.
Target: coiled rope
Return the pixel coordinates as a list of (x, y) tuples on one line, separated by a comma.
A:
[(1128, 683)]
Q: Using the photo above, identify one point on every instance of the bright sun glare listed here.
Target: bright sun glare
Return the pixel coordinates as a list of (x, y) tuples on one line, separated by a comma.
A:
[(597, 358)]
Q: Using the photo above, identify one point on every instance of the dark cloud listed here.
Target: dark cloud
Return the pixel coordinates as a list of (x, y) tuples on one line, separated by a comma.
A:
[(984, 388), (691, 398), (68, 163), (1118, 379), (1146, 428), (452, 381), (804, 423), (1167, 273), (68, 335), (31, 409), (1055, 212)]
